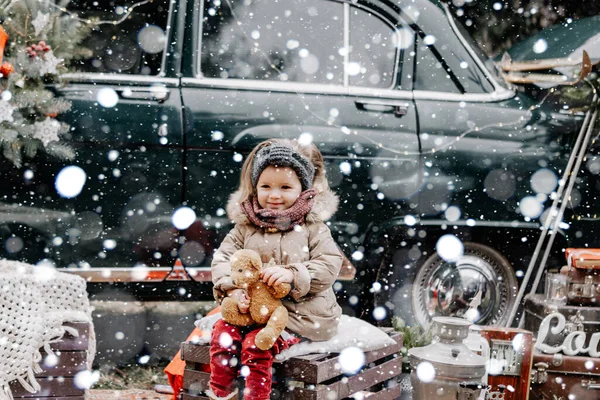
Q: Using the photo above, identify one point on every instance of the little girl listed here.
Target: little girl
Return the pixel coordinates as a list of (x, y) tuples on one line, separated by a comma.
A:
[(279, 211)]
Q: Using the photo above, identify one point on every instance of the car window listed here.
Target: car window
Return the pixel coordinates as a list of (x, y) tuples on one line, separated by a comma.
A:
[(126, 39), (430, 73), (297, 41), (373, 51), (442, 69)]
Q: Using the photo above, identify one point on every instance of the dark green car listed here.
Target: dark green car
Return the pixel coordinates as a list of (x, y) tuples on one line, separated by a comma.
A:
[(425, 143)]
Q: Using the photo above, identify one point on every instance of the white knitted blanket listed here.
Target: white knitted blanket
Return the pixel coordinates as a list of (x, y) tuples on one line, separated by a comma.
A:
[(35, 302)]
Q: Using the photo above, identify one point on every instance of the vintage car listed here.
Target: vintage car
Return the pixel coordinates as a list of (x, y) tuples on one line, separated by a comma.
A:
[(445, 170)]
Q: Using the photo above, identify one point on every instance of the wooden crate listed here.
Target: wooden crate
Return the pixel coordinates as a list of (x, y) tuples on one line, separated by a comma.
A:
[(310, 377), (57, 382)]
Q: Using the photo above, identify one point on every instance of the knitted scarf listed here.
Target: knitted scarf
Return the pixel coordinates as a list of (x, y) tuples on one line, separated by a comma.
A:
[(280, 220)]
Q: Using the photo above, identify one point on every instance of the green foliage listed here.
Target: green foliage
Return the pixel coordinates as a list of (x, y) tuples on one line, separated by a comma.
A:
[(62, 32), (414, 336), (28, 110)]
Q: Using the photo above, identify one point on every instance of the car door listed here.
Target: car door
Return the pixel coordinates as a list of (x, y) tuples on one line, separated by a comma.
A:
[(478, 211), (126, 133), (334, 73)]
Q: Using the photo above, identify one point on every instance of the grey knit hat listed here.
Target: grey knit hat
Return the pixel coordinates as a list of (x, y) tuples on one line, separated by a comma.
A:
[(283, 156)]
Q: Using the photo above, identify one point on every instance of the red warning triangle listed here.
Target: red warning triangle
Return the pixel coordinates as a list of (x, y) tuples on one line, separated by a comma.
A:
[(178, 273)]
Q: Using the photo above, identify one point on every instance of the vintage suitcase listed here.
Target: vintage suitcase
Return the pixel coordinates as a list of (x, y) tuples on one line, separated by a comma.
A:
[(557, 376), (586, 319), (583, 270)]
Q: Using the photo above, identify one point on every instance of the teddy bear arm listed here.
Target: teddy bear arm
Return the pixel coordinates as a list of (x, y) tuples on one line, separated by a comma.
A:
[(232, 315), (281, 290)]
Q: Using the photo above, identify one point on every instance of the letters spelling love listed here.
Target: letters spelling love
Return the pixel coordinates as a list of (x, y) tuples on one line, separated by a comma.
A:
[(573, 344)]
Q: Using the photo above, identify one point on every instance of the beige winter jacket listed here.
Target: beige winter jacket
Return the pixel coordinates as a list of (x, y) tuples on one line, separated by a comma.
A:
[(308, 250)]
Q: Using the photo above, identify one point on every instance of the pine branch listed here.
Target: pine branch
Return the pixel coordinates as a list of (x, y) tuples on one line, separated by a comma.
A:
[(61, 151)]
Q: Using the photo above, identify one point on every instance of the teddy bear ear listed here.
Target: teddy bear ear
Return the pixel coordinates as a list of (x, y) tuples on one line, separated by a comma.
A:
[(247, 256), (255, 261)]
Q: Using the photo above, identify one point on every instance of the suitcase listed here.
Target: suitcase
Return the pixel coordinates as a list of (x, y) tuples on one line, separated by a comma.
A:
[(583, 270), (536, 308), (557, 376)]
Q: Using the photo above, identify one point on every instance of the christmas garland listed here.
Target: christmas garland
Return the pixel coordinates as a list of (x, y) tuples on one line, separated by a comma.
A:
[(37, 41)]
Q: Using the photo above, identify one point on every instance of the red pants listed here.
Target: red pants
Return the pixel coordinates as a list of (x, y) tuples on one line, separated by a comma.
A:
[(232, 347)]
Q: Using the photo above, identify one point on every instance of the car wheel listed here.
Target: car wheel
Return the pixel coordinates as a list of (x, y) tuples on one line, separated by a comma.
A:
[(480, 286)]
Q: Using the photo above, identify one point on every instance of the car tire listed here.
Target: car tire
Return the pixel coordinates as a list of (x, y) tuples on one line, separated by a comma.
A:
[(443, 288)]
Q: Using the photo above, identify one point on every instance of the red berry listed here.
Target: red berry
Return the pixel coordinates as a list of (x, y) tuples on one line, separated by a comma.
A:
[(42, 43)]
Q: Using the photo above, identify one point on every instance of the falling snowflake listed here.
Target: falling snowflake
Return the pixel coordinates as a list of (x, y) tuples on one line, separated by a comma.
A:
[(47, 130), (6, 110)]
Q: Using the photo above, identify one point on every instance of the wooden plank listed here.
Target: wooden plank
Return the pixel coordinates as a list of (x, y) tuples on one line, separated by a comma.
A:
[(314, 372), (52, 398), (350, 385), (195, 352), (70, 342), (195, 381), (69, 363), (186, 396), (391, 393), (49, 387), (370, 377), (313, 357)]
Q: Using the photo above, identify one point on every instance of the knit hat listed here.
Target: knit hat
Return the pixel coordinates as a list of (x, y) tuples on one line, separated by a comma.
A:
[(283, 156)]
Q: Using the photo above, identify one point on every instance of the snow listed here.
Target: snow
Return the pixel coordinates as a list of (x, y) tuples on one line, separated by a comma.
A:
[(183, 217), (351, 360), (425, 372), (70, 181), (107, 97), (450, 248), (151, 39)]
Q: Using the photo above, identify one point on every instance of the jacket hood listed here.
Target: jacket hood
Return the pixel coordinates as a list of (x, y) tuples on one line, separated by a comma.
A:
[(326, 205)]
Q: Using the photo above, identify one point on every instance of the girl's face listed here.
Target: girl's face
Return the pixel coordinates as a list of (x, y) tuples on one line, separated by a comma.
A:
[(278, 188)]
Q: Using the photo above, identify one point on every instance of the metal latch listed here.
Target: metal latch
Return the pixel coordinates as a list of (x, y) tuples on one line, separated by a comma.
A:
[(588, 286), (590, 385), (540, 374)]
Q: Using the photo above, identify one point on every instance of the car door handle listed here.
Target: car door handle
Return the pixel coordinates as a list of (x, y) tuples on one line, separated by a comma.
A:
[(159, 94), (398, 109)]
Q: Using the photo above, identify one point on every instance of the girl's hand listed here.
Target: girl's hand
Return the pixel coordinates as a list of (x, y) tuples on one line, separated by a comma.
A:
[(242, 299), (276, 275)]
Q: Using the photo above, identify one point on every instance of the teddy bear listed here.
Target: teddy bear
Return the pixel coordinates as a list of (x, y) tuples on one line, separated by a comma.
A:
[(266, 307)]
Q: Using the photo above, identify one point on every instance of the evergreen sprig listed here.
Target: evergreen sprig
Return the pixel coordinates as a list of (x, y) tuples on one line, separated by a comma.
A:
[(32, 125)]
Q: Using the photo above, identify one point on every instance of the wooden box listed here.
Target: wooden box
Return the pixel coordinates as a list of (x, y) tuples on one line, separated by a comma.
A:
[(309, 377), (57, 382)]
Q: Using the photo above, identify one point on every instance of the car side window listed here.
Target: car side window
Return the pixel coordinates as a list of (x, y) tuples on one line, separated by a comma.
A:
[(373, 50), (448, 68), (296, 41), (126, 39), (430, 73)]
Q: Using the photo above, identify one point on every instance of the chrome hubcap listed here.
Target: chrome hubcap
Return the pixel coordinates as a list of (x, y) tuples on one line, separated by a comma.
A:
[(471, 288)]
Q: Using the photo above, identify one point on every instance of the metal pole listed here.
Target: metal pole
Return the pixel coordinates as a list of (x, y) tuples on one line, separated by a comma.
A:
[(558, 219), (559, 195)]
